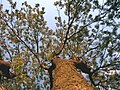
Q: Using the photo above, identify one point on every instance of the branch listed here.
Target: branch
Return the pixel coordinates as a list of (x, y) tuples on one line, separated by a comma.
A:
[(104, 14), (23, 42), (101, 67), (42, 64), (37, 41), (79, 30), (70, 22), (69, 26)]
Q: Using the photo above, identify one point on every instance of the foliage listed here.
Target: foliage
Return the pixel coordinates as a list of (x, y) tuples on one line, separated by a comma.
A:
[(90, 32)]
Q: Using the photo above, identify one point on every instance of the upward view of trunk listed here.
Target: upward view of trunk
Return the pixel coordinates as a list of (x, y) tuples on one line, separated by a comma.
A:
[(66, 76)]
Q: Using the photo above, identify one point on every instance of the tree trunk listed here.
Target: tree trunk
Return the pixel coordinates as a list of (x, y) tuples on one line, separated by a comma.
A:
[(2, 88), (66, 76)]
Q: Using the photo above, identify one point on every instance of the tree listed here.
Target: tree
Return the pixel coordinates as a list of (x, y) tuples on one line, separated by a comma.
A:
[(85, 42)]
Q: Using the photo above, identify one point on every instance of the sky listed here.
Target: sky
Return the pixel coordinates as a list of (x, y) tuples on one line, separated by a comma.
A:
[(50, 9)]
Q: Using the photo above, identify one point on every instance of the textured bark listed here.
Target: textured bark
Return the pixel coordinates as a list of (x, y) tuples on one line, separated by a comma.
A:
[(66, 76), (2, 88)]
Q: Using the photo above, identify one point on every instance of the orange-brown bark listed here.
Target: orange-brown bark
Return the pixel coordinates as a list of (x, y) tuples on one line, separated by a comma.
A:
[(66, 76)]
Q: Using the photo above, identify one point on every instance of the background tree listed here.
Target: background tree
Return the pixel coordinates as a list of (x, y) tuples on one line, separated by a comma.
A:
[(90, 33)]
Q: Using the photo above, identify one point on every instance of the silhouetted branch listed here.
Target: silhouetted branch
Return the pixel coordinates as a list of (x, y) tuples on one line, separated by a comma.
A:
[(22, 41), (102, 67), (69, 26)]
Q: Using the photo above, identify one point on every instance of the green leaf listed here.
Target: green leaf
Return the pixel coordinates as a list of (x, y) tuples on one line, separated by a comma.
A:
[(97, 26), (43, 8), (96, 2), (90, 16), (110, 16), (37, 5), (97, 18), (7, 11)]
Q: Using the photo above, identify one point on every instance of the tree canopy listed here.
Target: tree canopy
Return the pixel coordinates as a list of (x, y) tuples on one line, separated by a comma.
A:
[(90, 32)]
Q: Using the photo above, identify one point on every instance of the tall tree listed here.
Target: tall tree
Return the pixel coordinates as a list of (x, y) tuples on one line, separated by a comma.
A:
[(86, 41)]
